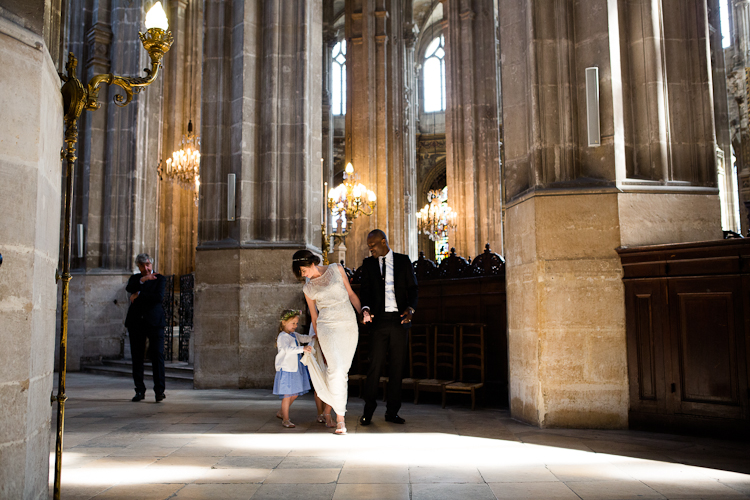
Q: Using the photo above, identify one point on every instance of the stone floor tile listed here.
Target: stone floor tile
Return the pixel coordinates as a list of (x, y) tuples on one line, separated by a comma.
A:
[(173, 461), (319, 476), (527, 474), (371, 492), (374, 475), (589, 472), (613, 490), (293, 462), (451, 492), (295, 492), (234, 476), (238, 491), (257, 462), (138, 450), (533, 491), (201, 451), (70, 492), (693, 489), (139, 492), (444, 475)]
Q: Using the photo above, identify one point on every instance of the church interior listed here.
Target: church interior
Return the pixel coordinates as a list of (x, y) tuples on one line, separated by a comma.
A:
[(571, 180)]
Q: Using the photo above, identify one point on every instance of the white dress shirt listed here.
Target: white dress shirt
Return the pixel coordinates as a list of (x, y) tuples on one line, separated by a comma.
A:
[(390, 288)]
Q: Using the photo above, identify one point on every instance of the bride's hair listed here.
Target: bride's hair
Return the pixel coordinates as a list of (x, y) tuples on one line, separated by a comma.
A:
[(303, 258)]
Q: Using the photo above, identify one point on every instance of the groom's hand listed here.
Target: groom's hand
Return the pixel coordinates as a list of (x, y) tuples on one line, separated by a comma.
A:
[(406, 316), (366, 316)]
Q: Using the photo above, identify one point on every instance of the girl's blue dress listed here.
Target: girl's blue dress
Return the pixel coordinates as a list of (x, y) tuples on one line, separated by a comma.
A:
[(292, 383)]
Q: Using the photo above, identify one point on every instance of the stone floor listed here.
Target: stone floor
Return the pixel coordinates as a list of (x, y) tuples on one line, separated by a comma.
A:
[(228, 444)]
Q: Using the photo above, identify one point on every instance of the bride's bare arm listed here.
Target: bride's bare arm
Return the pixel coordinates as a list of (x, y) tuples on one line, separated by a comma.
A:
[(313, 313), (352, 296)]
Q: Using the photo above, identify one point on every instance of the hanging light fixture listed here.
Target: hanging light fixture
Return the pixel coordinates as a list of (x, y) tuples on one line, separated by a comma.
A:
[(350, 199), (184, 166), (436, 218)]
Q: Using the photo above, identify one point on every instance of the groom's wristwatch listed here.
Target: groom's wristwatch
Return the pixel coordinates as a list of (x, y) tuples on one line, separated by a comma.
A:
[(412, 311)]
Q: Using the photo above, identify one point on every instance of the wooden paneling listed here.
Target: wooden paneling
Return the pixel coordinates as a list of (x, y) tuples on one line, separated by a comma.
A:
[(688, 324), (471, 300)]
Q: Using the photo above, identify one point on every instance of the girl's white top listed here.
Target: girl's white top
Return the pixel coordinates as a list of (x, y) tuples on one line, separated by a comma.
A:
[(286, 358)]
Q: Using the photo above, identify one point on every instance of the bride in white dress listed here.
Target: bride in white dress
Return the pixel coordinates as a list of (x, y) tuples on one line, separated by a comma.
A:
[(330, 299)]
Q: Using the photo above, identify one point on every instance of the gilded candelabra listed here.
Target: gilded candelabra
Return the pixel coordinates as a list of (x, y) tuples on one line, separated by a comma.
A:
[(436, 219), (78, 97), (348, 201)]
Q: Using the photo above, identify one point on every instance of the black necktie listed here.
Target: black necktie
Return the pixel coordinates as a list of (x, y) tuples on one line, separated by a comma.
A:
[(382, 269)]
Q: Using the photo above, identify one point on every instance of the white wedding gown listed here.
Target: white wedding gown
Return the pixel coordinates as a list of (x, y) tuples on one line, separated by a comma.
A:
[(337, 337)]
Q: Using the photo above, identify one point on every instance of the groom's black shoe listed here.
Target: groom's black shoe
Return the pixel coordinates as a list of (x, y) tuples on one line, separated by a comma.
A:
[(365, 420), (394, 419)]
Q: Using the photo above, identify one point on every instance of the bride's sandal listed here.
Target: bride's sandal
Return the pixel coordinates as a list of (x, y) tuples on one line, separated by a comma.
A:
[(288, 424), (340, 428), (329, 421), (321, 419)]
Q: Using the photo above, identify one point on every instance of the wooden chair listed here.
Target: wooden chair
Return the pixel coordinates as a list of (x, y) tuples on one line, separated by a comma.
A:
[(419, 356), (443, 360), (471, 362)]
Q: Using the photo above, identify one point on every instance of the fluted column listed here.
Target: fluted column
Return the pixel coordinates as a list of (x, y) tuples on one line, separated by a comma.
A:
[(375, 119), (261, 122), (472, 126)]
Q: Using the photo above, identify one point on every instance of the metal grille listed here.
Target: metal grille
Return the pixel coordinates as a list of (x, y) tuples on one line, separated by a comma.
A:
[(168, 304), (187, 282)]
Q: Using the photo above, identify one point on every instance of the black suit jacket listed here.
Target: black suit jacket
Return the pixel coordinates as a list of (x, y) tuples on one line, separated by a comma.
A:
[(146, 310), (372, 286)]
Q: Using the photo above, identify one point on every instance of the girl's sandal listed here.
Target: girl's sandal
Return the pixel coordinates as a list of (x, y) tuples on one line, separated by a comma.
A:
[(278, 415), (340, 428), (288, 424), (321, 419), (329, 422)]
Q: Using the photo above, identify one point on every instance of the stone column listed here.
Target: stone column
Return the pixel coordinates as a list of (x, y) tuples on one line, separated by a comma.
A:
[(472, 125), (570, 205), (177, 209), (261, 122), (30, 198), (375, 119), (115, 196), (330, 38), (410, 104)]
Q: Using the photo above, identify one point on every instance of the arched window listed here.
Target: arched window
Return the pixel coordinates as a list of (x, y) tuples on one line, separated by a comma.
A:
[(434, 76), (338, 70)]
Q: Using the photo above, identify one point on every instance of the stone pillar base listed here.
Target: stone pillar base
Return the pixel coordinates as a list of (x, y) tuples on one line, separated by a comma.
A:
[(566, 309), (239, 296)]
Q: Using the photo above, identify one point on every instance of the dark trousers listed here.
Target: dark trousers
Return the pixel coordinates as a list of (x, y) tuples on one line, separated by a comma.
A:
[(155, 336), (388, 337)]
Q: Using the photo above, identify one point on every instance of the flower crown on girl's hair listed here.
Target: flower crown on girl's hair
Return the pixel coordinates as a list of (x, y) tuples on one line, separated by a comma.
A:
[(289, 314)]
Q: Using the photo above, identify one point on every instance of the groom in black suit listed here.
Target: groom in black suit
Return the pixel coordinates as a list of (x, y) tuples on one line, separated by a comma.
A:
[(389, 297)]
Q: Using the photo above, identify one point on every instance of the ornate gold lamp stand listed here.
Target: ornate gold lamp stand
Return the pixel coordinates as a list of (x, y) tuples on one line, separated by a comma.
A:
[(348, 201), (76, 98)]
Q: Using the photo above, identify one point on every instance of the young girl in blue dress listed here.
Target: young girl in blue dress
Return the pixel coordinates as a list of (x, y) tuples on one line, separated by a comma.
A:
[(292, 378)]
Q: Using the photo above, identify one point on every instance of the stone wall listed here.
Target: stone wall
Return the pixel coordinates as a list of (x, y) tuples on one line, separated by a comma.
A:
[(30, 168)]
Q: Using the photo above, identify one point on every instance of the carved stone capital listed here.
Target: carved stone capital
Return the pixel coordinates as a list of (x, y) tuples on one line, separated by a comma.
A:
[(411, 34), (98, 40), (330, 37)]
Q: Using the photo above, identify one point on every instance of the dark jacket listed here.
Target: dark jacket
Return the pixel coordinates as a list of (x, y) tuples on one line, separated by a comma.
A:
[(146, 310), (372, 286)]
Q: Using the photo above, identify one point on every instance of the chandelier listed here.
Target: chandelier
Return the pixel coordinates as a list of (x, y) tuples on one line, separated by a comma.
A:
[(350, 199), (184, 166), (436, 218)]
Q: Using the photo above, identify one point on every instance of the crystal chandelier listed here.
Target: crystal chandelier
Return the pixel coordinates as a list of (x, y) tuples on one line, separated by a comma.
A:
[(436, 218), (184, 166), (350, 199)]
